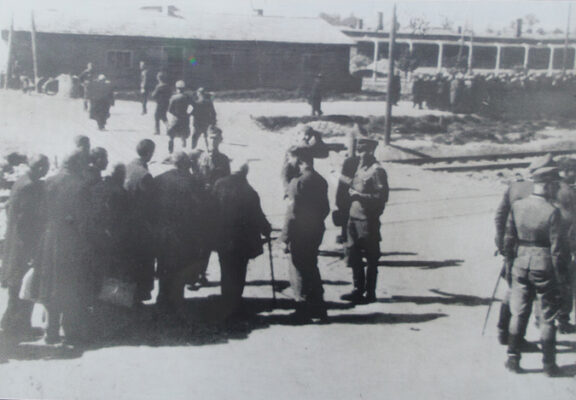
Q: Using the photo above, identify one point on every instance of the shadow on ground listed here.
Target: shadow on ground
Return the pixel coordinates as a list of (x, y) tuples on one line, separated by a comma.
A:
[(444, 298)]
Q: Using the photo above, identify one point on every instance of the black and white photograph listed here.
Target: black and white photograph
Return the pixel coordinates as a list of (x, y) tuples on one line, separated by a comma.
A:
[(287, 199)]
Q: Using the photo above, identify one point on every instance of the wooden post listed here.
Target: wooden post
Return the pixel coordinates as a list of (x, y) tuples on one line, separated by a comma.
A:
[(375, 69), (34, 49), (9, 60), (390, 77), (565, 53)]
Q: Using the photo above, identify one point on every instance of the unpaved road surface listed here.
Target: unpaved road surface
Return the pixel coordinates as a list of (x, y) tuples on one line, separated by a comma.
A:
[(421, 340)]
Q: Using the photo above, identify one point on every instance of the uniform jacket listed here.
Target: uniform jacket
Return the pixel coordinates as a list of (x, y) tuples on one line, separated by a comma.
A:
[(162, 93), (240, 220), (515, 191), (26, 222), (308, 206), (371, 181), (203, 112), (535, 238)]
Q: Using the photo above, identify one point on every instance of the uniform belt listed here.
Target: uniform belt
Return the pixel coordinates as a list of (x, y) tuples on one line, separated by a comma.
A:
[(530, 243)]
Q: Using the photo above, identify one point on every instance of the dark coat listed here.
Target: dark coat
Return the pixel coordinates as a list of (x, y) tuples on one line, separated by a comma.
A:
[(308, 207), (26, 221), (101, 98), (162, 93), (240, 220), (140, 187), (65, 256), (516, 191), (181, 218), (204, 113), (179, 124)]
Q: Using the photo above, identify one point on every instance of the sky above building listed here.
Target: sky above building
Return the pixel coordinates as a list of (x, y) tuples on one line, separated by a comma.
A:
[(477, 15)]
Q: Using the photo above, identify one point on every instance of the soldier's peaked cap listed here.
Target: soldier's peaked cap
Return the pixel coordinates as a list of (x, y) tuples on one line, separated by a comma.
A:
[(546, 174), (367, 141), (544, 161)]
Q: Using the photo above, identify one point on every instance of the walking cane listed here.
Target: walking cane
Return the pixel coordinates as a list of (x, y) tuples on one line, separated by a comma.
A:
[(272, 272), (491, 301)]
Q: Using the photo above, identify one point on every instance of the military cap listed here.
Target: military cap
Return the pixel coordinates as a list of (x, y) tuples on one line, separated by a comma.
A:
[(541, 162), (180, 84), (545, 174), (367, 142)]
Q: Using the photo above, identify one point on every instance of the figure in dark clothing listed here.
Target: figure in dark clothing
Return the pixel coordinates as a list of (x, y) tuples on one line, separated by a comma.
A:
[(179, 227), (302, 234), (162, 93), (67, 286), (204, 115), (315, 96), (101, 98), (140, 186), (240, 226), (26, 222), (98, 164), (179, 124), (418, 90)]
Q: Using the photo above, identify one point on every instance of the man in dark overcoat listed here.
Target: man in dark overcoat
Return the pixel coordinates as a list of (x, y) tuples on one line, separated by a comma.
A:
[(26, 222), (101, 98), (179, 123), (315, 96), (180, 227), (98, 162), (240, 225), (204, 115), (368, 191), (140, 186), (302, 234), (162, 93), (67, 286)]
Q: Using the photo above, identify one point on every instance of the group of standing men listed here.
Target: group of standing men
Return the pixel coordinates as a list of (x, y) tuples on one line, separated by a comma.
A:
[(536, 233)]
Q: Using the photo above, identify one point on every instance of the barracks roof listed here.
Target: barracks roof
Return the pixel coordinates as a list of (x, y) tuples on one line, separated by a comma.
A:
[(144, 23)]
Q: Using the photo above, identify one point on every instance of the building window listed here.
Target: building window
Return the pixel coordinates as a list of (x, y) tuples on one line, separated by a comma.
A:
[(222, 62), (119, 59)]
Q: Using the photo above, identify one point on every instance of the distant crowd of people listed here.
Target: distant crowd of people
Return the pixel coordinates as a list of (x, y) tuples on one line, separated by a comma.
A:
[(482, 93)]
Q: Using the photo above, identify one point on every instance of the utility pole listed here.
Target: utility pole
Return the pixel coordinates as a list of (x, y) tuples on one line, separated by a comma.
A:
[(34, 50), (8, 76), (390, 77), (565, 52)]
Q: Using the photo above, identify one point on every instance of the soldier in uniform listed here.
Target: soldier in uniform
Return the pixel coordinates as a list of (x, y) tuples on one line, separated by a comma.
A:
[(140, 186), (213, 164), (368, 191), (162, 93), (302, 235), (146, 85), (204, 115), (315, 96), (179, 124), (240, 225), (536, 244), (179, 227), (566, 200), (517, 190), (26, 222)]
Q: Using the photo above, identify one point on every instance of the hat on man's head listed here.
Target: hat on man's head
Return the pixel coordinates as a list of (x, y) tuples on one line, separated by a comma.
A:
[(180, 84), (301, 152), (214, 132), (541, 162), (367, 142), (546, 174)]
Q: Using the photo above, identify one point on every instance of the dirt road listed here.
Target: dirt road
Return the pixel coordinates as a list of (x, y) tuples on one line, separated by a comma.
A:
[(421, 340)]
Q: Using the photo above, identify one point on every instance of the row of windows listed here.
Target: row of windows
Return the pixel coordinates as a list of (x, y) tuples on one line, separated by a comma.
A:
[(123, 59)]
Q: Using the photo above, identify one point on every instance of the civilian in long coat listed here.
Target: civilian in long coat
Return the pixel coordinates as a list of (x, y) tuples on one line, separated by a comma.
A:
[(240, 226), (67, 287), (179, 123), (303, 231), (204, 115), (179, 228), (140, 247), (25, 226), (101, 98)]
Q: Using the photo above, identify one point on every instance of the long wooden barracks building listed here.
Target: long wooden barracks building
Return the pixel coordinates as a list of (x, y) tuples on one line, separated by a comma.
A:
[(215, 51)]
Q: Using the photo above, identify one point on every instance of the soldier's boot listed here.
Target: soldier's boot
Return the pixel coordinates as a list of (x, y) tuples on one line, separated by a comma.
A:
[(565, 327), (513, 362), (503, 323), (357, 295), (371, 280), (549, 358)]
